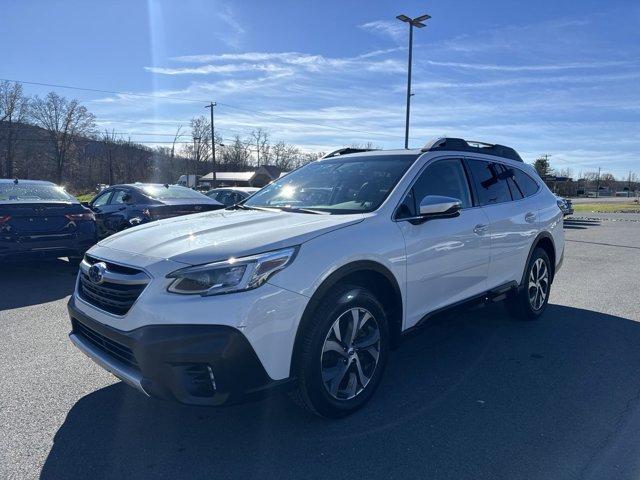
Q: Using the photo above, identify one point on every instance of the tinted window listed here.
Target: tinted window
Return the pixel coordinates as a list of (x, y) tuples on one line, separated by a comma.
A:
[(445, 178), (33, 192), (161, 192), (522, 185), (350, 184), (118, 197), (102, 199), (490, 180)]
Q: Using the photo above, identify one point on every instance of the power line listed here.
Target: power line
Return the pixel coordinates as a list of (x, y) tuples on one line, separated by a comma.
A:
[(234, 107)]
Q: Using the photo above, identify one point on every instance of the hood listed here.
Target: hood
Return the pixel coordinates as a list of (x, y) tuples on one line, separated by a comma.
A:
[(219, 235)]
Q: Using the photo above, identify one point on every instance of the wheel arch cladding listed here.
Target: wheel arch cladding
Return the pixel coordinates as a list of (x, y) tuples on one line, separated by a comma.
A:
[(371, 275), (545, 241)]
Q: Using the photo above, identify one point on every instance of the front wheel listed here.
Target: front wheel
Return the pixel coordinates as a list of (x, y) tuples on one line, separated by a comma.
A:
[(342, 353), (533, 295)]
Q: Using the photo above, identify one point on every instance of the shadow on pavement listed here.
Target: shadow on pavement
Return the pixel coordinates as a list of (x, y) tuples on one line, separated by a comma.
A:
[(579, 224), (475, 395), (31, 283)]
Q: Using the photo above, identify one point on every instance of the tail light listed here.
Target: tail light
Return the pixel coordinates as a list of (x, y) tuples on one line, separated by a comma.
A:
[(4, 219), (78, 217)]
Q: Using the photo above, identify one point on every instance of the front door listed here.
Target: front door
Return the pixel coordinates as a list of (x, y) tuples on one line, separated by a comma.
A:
[(447, 258)]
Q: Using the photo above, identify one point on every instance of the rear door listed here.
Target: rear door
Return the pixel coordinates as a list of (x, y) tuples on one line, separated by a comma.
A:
[(447, 258), (509, 201)]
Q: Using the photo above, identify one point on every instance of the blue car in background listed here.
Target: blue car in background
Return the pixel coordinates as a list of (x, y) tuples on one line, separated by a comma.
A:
[(39, 219), (120, 207)]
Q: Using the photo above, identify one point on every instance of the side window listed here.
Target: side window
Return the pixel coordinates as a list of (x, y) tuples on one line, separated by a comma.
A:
[(445, 178), (490, 181), (117, 198), (102, 199), (526, 185)]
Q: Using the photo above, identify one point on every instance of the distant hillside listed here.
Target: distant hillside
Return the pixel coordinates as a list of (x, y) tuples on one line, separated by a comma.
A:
[(90, 161)]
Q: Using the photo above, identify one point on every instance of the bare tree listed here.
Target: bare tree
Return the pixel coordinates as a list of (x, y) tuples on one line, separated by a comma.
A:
[(110, 141), (13, 113), (63, 120), (261, 141), (284, 156), (235, 156), (201, 136)]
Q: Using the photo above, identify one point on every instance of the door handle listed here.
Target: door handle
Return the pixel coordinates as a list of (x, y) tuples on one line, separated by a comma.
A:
[(480, 229), (530, 217)]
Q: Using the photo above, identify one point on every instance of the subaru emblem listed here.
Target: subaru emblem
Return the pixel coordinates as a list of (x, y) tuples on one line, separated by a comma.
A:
[(96, 272)]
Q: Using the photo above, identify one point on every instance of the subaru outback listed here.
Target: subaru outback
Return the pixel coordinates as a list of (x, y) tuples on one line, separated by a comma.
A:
[(308, 285)]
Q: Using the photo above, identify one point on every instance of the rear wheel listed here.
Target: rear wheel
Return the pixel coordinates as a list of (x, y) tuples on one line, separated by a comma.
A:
[(342, 353), (533, 295)]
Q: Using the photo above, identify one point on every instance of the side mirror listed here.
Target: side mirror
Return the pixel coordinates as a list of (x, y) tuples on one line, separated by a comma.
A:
[(436, 206)]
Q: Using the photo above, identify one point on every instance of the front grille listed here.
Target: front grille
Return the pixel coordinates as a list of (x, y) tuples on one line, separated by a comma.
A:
[(118, 290), (114, 298), (116, 350)]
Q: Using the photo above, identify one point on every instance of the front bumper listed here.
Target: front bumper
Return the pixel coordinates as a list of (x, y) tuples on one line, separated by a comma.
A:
[(191, 364)]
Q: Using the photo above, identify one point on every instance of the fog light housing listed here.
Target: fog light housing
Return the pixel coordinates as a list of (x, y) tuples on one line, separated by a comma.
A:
[(198, 379)]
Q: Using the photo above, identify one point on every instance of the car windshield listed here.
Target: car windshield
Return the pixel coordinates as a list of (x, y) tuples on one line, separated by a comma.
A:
[(160, 192), (345, 185), (33, 192)]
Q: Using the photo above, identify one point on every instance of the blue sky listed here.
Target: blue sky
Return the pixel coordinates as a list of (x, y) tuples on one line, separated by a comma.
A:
[(556, 77)]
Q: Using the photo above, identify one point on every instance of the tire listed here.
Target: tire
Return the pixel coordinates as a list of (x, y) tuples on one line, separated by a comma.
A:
[(336, 374), (532, 297)]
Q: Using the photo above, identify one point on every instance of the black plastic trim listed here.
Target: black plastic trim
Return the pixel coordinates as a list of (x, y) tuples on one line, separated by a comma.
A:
[(331, 281), (164, 353)]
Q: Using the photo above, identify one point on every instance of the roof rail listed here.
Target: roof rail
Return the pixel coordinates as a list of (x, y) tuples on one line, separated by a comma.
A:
[(462, 145), (346, 151)]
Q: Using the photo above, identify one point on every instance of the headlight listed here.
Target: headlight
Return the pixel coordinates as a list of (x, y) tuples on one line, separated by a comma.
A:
[(233, 275)]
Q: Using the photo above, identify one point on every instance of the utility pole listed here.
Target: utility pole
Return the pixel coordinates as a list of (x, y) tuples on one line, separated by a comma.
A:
[(598, 184), (213, 140), (413, 22), (629, 186), (196, 156)]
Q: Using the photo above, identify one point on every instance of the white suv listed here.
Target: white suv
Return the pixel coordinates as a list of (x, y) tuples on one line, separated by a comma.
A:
[(308, 284)]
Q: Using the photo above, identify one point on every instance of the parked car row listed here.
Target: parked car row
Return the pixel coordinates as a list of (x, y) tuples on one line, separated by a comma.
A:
[(39, 219)]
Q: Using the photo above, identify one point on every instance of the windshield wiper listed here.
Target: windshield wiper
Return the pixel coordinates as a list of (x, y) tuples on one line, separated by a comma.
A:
[(279, 208), (242, 206), (303, 210)]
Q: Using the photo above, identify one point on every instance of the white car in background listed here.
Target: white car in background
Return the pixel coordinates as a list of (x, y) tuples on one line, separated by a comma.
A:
[(309, 284)]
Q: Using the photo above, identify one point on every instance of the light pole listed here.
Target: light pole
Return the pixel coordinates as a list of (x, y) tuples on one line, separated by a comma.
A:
[(413, 22), (213, 140)]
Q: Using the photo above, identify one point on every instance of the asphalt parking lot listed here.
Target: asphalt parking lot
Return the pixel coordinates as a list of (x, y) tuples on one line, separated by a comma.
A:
[(473, 395)]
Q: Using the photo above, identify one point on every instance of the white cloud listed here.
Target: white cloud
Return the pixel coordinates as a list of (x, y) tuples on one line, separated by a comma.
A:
[(530, 68), (396, 30), (281, 62)]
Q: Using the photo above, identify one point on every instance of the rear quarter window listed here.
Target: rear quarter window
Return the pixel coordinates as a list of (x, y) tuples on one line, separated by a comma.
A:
[(525, 185), (490, 182)]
